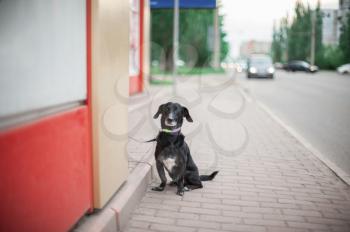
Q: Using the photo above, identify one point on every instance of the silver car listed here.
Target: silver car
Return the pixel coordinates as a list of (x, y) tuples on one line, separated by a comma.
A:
[(260, 66), (344, 69)]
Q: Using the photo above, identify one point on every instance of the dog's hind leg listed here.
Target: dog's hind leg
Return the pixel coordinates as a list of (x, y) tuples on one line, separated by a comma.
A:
[(162, 176), (192, 180)]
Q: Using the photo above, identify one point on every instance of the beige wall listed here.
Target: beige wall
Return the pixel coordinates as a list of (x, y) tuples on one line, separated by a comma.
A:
[(110, 78)]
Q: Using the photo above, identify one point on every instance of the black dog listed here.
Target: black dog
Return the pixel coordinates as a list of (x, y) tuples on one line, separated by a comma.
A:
[(172, 152)]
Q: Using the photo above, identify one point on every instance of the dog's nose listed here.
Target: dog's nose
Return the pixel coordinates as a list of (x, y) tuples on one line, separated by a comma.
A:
[(170, 120)]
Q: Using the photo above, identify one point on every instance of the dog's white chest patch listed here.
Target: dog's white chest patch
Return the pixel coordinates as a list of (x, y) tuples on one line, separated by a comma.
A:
[(169, 163)]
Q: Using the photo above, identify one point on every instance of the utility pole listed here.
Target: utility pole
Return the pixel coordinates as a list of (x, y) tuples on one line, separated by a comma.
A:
[(313, 37), (175, 42), (216, 55)]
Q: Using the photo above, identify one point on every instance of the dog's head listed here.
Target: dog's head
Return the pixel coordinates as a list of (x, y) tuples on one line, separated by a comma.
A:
[(172, 115)]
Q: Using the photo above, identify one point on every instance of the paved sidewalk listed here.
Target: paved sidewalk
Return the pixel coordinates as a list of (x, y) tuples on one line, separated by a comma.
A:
[(268, 181)]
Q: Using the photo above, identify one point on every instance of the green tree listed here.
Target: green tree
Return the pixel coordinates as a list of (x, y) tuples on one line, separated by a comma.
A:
[(319, 53), (332, 57), (194, 24), (299, 34), (225, 47), (344, 40), (293, 41), (162, 36), (276, 45), (298, 39), (279, 41)]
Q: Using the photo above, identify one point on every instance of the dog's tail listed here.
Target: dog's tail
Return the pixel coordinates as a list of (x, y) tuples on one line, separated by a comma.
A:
[(208, 177)]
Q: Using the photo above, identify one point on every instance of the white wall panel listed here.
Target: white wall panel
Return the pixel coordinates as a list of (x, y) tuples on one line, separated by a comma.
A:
[(42, 54)]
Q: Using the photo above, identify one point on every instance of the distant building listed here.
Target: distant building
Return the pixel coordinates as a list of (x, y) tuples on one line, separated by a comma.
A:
[(252, 46), (332, 21), (344, 8), (342, 12), (330, 27)]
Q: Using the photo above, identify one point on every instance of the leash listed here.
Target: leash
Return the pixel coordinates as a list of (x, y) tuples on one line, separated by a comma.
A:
[(177, 130), (140, 141)]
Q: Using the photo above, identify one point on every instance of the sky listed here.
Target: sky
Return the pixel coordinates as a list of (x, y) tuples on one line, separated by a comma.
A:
[(253, 19)]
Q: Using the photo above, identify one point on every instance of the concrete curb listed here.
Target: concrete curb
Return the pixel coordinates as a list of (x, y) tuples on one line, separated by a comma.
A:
[(105, 221), (332, 166), (128, 198), (115, 215)]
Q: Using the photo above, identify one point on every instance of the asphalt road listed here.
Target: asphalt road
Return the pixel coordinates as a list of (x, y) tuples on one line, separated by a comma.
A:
[(317, 106)]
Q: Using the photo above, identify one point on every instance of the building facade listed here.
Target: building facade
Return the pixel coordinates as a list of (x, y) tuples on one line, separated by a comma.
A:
[(251, 47), (64, 85), (330, 27), (344, 8)]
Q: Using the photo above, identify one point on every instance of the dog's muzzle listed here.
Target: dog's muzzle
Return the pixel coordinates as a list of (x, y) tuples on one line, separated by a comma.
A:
[(170, 122)]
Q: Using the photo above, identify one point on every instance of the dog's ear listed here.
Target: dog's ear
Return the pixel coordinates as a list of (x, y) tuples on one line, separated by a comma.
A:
[(158, 112), (187, 114)]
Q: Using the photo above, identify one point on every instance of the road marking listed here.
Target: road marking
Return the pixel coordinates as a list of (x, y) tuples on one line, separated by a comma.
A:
[(243, 90)]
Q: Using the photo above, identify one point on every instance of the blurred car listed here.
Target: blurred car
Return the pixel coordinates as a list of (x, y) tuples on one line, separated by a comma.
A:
[(241, 65), (299, 65), (227, 65), (344, 69), (260, 66), (278, 65)]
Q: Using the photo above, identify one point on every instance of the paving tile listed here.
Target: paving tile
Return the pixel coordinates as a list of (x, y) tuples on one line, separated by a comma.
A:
[(268, 181)]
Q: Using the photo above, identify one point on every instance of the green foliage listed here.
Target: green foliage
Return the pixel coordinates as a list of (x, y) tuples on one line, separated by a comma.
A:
[(225, 47), (193, 37), (299, 33), (319, 56), (344, 40), (276, 46), (279, 41), (183, 71), (162, 36), (293, 41), (332, 57), (194, 25)]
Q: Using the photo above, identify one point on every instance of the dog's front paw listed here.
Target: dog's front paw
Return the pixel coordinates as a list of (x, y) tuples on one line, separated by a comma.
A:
[(180, 192), (159, 188)]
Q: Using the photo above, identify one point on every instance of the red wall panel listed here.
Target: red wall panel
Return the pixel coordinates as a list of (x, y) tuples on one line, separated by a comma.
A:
[(45, 173), (136, 82)]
